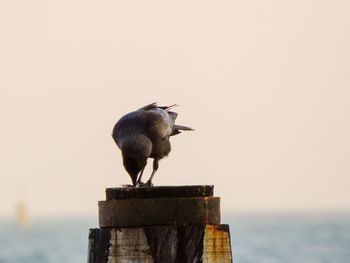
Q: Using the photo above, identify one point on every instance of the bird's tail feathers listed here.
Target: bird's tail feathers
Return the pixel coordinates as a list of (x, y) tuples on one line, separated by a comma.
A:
[(149, 106), (178, 128), (182, 128), (154, 105), (167, 108)]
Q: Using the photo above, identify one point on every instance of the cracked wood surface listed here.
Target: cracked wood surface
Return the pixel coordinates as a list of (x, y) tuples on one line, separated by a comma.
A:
[(161, 244)]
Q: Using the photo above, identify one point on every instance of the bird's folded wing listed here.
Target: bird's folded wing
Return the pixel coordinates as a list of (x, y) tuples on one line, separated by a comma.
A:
[(149, 106)]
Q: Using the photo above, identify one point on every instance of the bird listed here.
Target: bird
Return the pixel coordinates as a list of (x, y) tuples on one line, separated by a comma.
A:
[(143, 134)]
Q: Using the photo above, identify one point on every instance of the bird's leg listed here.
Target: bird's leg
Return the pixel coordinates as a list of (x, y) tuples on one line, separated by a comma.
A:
[(155, 168), (140, 176), (133, 178)]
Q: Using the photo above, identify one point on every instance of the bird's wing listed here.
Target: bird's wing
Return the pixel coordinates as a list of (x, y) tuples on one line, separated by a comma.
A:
[(154, 105), (167, 108), (164, 118), (149, 106), (172, 115), (168, 119)]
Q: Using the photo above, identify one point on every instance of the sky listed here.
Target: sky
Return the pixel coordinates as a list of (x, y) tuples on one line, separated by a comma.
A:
[(266, 85)]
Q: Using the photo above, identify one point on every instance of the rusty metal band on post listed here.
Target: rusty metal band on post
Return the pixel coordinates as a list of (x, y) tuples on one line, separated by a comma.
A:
[(159, 211)]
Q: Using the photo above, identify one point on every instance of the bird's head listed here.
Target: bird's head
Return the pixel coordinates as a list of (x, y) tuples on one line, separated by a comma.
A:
[(135, 152), (133, 165)]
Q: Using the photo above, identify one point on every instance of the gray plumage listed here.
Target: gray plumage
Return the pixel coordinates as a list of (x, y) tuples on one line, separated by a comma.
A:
[(144, 134)]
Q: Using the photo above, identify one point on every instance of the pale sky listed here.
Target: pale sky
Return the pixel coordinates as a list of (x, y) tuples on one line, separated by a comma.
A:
[(266, 85)]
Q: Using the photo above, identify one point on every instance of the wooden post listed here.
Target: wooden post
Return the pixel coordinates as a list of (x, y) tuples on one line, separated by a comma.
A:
[(167, 224)]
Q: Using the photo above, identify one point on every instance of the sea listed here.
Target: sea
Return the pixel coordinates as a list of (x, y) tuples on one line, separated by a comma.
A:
[(255, 238)]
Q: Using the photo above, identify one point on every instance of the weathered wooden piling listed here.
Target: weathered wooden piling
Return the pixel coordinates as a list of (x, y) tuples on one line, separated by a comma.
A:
[(166, 224)]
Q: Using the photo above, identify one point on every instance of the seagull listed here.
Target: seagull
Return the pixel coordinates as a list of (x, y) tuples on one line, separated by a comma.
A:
[(144, 134)]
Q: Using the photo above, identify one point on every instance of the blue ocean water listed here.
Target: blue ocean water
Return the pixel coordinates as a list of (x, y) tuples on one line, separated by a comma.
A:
[(46, 241), (255, 239), (290, 238)]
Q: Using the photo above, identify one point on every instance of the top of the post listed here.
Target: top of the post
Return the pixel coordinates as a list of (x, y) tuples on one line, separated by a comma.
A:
[(120, 193)]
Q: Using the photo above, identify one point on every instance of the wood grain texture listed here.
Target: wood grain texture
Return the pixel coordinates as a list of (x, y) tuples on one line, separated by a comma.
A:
[(129, 245), (159, 211), (99, 243), (217, 244), (120, 193), (176, 224), (161, 244)]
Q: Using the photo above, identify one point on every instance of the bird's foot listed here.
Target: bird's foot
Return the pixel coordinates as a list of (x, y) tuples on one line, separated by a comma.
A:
[(127, 185), (141, 184), (149, 183)]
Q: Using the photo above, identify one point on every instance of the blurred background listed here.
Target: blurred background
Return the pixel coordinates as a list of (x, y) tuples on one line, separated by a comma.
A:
[(264, 83)]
